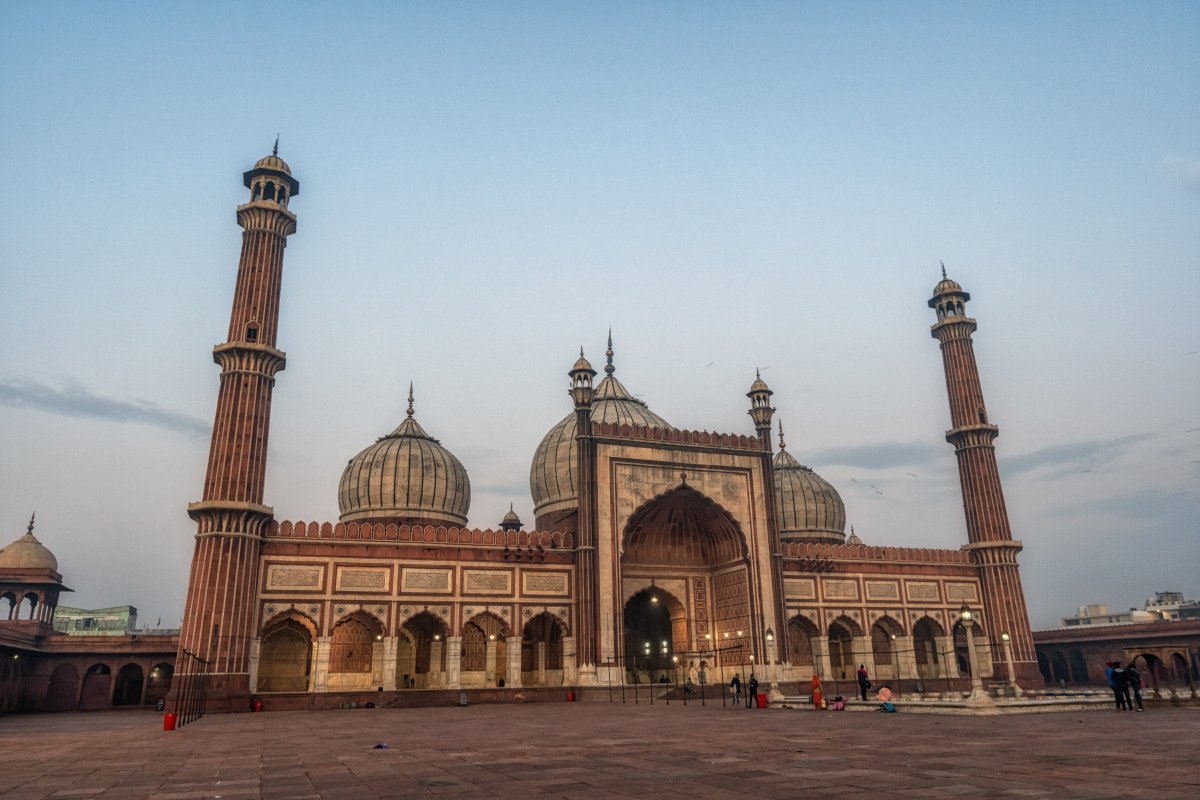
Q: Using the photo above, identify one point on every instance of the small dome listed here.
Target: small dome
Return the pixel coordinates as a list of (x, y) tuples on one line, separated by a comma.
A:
[(581, 363), (946, 286), (511, 517), (405, 477), (759, 385), (552, 474), (27, 553), (853, 538), (273, 162), (807, 507)]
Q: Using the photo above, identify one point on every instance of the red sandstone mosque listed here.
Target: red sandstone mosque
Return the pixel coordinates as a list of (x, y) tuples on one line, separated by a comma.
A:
[(655, 549), (657, 553)]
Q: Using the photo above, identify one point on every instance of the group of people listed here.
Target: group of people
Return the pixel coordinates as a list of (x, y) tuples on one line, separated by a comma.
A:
[(735, 689), (1124, 682), (885, 696)]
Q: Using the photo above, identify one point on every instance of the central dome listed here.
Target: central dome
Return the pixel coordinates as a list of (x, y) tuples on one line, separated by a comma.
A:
[(406, 477), (807, 507), (552, 474)]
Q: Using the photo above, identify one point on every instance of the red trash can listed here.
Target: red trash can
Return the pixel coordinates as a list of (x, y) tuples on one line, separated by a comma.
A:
[(762, 700), (257, 705), (168, 722), (570, 697)]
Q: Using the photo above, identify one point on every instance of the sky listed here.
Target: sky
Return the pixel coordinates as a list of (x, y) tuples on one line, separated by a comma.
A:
[(486, 187)]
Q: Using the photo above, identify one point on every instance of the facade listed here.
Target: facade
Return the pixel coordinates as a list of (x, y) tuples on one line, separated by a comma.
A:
[(657, 552), (115, 621), (1167, 654)]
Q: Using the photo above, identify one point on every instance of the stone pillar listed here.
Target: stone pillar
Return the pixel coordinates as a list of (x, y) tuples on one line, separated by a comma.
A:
[(453, 661), (860, 646), (947, 660), (389, 664), (321, 664), (438, 676), (569, 673), (513, 652), (905, 656), (540, 666), (489, 663), (255, 651), (820, 651), (379, 663)]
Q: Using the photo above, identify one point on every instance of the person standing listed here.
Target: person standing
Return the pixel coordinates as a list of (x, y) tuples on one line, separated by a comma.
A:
[(735, 687), (864, 681), (751, 691), (1120, 686), (818, 695), (1134, 679)]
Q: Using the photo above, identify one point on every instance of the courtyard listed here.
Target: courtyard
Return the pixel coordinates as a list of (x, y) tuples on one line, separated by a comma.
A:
[(593, 750)]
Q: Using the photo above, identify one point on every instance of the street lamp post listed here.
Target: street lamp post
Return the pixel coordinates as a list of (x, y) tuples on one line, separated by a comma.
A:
[(978, 696), (1012, 681)]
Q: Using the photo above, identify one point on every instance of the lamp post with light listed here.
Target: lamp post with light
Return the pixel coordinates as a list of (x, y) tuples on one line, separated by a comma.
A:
[(978, 696), (1012, 681)]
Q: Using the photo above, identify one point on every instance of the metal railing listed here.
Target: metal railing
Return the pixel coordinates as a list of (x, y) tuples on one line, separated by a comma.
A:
[(192, 696)]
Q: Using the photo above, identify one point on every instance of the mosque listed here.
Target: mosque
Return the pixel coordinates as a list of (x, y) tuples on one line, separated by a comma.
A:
[(656, 553)]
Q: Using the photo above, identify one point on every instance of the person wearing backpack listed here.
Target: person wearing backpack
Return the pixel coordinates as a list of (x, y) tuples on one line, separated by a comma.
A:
[(864, 682)]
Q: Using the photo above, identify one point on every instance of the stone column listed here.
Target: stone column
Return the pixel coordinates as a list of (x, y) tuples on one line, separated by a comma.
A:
[(569, 673), (540, 655), (438, 677), (390, 644), (255, 651), (860, 646), (820, 651), (947, 660), (489, 663), (321, 664), (379, 664), (513, 652), (453, 661), (905, 656)]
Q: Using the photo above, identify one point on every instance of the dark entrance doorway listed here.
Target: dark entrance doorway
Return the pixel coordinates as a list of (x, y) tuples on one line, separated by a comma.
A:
[(650, 636)]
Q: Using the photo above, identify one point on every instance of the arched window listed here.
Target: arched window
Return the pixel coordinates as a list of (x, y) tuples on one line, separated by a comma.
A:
[(285, 658), (801, 632)]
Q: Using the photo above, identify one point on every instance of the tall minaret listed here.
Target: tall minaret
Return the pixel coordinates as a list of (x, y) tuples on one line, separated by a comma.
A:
[(991, 545), (587, 633), (219, 618)]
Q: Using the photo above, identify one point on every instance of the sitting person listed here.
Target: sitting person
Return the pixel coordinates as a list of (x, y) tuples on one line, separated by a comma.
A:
[(885, 698), (838, 704)]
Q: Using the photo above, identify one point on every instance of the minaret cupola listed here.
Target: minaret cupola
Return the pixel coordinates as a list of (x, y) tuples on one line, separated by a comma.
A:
[(271, 180)]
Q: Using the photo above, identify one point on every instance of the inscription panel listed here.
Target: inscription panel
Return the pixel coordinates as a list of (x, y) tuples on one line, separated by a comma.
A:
[(547, 583), (291, 576), (426, 580), (962, 592), (840, 589), (883, 590), (479, 581), (800, 588), (356, 579), (922, 591)]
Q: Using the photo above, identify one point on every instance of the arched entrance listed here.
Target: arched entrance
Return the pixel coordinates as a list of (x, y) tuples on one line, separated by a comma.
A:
[(285, 658), (926, 635), (96, 684), (884, 653), (484, 651), (842, 632), (421, 652), (655, 632), (542, 651), (60, 695), (801, 632), (685, 569), (128, 691), (159, 683)]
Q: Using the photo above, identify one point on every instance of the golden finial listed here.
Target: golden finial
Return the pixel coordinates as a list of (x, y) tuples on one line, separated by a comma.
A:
[(409, 413), (29, 530), (782, 445), (275, 149), (943, 263), (609, 369)]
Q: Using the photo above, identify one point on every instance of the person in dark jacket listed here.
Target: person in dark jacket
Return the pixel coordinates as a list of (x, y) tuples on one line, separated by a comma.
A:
[(1119, 680), (751, 690), (735, 688), (1134, 679), (864, 681)]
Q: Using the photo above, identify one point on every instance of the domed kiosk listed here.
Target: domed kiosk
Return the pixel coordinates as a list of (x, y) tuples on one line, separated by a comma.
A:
[(406, 477)]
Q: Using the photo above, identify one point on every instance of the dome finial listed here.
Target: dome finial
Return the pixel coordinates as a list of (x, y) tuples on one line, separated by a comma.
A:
[(782, 444), (275, 149), (409, 413), (609, 369), (943, 263), (29, 530)]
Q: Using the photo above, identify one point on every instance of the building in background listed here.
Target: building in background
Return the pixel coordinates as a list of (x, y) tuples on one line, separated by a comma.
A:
[(115, 621)]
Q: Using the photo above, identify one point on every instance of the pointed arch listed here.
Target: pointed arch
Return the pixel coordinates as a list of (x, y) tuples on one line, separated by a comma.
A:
[(683, 526), (285, 653), (351, 647), (801, 632)]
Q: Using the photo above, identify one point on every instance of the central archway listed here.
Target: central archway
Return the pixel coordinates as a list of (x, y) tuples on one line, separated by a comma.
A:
[(686, 574)]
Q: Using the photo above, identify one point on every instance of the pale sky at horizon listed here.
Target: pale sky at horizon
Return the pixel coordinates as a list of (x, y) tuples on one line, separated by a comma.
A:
[(486, 187)]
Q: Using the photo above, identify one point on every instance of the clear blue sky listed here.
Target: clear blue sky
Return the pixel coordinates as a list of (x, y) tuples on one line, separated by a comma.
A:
[(486, 187)]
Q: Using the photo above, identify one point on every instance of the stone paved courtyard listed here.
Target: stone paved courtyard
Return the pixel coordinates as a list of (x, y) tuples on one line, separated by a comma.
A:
[(593, 750)]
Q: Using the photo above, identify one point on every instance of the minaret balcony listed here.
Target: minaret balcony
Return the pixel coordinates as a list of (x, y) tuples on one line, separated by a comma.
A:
[(249, 357)]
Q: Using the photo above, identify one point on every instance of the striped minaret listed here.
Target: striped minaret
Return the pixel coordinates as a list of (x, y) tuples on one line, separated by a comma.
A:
[(991, 545), (218, 620)]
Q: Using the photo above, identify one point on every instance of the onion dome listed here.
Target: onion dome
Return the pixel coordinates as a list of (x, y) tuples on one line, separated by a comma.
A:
[(405, 477), (27, 553), (807, 507), (273, 164), (853, 539), (552, 474), (948, 287)]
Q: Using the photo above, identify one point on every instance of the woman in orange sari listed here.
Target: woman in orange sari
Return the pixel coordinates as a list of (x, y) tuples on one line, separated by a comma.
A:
[(818, 697)]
